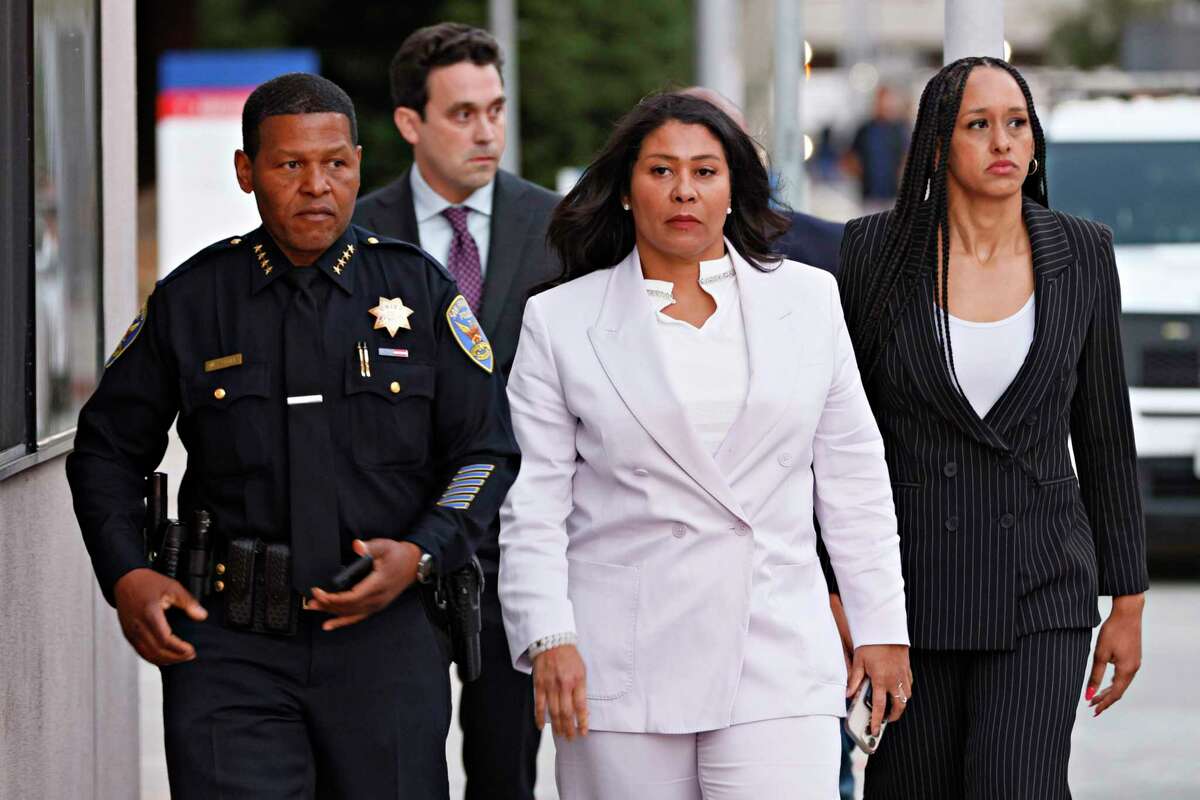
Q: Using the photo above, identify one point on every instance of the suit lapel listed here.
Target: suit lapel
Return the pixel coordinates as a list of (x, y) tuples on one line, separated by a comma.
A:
[(506, 252), (396, 216), (916, 339), (1052, 258), (775, 354), (624, 340)]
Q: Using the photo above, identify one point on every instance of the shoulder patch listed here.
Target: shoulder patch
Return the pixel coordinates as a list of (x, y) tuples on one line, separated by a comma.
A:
[(131, 333), (469, 335)]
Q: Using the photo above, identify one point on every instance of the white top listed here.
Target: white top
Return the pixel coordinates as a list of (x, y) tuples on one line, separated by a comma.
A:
[(435, 230), (708, 367), (988, 355)]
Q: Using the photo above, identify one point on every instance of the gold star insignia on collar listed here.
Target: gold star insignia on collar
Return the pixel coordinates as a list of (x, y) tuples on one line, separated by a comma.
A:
[(264, 263), (344, 259), (391, 314)]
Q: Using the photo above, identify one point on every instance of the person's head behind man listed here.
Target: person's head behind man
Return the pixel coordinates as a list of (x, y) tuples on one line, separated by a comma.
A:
[(449, 105), (301, 159)]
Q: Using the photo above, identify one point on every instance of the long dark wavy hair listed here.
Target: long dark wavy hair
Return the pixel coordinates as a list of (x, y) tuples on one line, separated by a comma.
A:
[(920, 218), (590, 230)]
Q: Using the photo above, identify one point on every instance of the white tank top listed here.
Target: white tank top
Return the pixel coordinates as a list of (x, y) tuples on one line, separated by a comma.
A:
[(988, 355)]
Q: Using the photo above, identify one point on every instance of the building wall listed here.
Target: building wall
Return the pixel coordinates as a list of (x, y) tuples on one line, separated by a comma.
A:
[(68, 680)]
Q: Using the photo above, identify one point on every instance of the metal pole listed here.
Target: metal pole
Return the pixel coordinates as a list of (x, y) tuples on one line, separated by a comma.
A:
[(502, 19), (787, 140), (973, 28), (718, 64)]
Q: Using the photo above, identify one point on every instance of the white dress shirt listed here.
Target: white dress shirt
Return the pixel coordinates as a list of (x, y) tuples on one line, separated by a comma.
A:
[(988, 355), (435, 230), (708, 367)]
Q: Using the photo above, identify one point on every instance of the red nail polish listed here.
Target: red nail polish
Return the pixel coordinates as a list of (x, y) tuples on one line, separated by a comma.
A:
[(1091, 692)]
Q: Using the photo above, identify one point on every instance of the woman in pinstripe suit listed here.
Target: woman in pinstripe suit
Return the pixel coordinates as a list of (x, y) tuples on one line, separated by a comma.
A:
[(987, 330)]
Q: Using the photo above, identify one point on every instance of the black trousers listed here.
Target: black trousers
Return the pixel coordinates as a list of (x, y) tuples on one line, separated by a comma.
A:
[(500, 739), (360, 712), (985, 725)]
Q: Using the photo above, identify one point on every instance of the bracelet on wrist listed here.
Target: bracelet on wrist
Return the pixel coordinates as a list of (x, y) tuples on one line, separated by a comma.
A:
[(550, 642)]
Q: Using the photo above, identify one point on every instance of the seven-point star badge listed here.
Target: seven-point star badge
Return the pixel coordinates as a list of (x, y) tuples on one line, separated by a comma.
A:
[(391, 314)]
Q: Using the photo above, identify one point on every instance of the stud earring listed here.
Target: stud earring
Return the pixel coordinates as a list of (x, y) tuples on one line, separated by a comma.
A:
[(729, 211), (625, 206), (1033, 167)]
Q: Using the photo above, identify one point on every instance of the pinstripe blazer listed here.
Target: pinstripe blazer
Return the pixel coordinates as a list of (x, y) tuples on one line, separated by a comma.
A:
[(1000, 536)]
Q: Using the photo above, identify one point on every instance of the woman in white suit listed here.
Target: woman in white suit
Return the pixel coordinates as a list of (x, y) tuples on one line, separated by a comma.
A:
[(679, 416)]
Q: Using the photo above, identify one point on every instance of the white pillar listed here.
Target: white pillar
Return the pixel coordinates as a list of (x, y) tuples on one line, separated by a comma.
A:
[(718, 63), (973, 28), (502, 19), (787, 140)]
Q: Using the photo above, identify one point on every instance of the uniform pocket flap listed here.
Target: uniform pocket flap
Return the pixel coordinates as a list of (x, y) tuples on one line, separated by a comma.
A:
[(392, 382), (224, 387)]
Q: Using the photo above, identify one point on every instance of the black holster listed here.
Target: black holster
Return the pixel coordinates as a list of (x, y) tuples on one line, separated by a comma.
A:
[(179, 551), (456, 601)]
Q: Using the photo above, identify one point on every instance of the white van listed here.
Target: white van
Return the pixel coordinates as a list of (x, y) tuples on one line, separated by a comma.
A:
[(1135, 166)]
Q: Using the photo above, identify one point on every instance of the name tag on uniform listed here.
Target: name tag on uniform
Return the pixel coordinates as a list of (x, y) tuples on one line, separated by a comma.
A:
[(214, 364), (305, 399), (393, 352)]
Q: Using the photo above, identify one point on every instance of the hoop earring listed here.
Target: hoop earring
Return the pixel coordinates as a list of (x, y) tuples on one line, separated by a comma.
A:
[(1034, 167)]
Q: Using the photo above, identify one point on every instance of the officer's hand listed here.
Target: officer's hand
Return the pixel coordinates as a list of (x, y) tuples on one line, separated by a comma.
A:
[(560, 684), (887, 667), (394, 569), (143, 596)]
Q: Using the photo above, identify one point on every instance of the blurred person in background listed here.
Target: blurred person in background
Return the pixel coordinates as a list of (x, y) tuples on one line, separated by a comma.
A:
[(876, 153), (489, 227), (988, 331), (682, 401)]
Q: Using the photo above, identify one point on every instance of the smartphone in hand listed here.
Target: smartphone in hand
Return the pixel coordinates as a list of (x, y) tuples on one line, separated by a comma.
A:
[(858, 720)]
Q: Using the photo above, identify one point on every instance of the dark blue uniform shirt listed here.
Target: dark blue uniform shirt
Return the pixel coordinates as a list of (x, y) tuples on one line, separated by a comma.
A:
[(208, 347)]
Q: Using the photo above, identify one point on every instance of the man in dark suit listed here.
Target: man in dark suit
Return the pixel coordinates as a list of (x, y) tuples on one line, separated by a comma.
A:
[(812, 240), (489, 228)]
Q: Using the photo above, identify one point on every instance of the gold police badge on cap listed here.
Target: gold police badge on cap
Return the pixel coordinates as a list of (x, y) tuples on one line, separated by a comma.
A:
[(391, 314)]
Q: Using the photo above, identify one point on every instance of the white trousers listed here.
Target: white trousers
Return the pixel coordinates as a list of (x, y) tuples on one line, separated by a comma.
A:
[(795, 758)]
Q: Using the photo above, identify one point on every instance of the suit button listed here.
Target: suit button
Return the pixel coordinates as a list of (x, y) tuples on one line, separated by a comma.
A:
[(678, 530), (950, 470), (951, 523), (1007, 520), (1031, 419), (786, 459), (641, 473), (741, 529)]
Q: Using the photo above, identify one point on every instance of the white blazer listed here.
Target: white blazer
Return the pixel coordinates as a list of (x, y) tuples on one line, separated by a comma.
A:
[(691, 579)]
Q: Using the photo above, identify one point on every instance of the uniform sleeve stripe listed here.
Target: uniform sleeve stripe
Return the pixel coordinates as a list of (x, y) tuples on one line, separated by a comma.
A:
[(467, 482), (460, 506), (472, 490), (485, 467)]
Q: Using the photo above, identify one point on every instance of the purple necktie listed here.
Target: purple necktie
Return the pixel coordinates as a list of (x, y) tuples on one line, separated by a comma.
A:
[(464, 257)]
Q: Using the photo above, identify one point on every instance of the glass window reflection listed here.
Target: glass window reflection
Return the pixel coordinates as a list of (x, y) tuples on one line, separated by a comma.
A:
[(66, 211)]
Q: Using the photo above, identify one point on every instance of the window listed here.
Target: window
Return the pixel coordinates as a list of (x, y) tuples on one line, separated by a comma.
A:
[(50, 291)]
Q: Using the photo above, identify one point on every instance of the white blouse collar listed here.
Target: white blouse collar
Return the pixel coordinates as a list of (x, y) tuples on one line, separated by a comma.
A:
[(712, 274)]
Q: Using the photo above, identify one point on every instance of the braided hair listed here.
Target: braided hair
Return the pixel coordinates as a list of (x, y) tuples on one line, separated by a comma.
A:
[(921, 218)]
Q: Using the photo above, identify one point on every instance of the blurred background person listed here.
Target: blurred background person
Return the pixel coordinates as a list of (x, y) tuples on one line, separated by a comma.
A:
[(683, 645), (876, 153), (489, 228), (977, 381)]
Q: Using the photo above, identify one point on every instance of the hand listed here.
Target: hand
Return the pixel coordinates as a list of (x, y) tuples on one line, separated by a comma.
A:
[(1119, 644), (843, 626), (560, 682), (394, 569), (887, 667), (143, 596)]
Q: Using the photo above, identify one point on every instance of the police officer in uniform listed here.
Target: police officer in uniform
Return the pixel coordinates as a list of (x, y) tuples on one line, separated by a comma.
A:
[(336, 398)]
